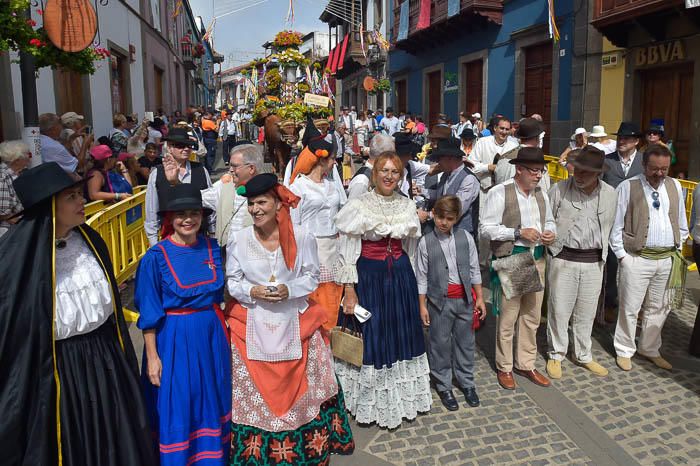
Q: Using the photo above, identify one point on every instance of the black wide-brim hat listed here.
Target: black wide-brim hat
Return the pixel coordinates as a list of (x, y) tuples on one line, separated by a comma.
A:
[(183, 196), (450, 147), (467, 133), (629, 129), (181, 136), (529, 155), (260, 184), (37, 184)]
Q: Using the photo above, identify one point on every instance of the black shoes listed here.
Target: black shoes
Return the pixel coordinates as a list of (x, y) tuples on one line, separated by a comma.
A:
[(471, 397), (448, 400)]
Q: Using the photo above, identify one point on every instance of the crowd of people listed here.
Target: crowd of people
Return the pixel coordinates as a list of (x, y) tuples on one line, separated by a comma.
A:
[(248, 278)]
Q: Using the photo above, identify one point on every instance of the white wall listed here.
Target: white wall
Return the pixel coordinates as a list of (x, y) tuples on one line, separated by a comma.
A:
[(117, 25), (120, 27)]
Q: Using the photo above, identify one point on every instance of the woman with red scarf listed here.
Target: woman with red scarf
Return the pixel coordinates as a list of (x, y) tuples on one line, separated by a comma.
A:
[(287, 406)]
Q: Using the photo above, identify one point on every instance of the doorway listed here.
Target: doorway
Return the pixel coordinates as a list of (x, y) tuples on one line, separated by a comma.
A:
[(401, 96), (667, 95), (434, 97), (473, 86), (538, 86)]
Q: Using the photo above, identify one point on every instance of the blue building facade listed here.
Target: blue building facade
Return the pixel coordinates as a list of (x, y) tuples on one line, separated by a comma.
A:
[(492, 57)]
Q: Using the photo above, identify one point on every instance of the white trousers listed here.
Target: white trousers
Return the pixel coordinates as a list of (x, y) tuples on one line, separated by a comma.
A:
[(573, 297), (642, 286)]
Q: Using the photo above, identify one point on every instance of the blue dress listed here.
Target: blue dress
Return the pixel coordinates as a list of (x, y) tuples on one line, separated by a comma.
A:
[(178, 290)]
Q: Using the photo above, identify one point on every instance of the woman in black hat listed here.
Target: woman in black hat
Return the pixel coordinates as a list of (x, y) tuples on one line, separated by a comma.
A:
[(70, 392), (287, 405), (186, 369)]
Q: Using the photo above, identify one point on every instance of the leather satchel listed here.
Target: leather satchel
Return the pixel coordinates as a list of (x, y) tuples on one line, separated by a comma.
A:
[(346, 343), (518, 274)]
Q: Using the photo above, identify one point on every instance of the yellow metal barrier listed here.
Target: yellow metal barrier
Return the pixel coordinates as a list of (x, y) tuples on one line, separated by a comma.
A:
[(121, 226), (91, 208)]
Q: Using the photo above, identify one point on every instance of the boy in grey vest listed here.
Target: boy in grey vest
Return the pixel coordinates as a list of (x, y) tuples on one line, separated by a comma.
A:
[(447, 267)]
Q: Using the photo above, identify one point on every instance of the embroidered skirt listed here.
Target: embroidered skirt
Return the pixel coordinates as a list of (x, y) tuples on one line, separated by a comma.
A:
[(103, 419), (310, 444), (394, 380), (191, 410)]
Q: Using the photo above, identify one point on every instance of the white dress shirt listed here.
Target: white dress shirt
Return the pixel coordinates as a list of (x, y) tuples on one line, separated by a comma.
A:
[(54, 151), (151, 223), (484, 152), (390, 125), (447, 243), (626, 165), (660, 233), (359, 184), (491, 226)]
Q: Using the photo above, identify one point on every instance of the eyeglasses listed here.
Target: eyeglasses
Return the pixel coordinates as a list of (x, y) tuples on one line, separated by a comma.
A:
[(233, 168), (537, 171), (655, 196), (388, 172)]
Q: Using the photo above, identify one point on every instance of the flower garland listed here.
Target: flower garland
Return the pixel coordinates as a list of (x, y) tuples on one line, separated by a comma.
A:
[(18, 34), (287, 39)]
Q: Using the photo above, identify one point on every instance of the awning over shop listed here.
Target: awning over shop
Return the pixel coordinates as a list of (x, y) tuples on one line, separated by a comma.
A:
[(337, 55)]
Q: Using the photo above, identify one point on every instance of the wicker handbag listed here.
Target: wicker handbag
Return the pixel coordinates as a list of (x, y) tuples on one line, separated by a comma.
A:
[(346, 343)]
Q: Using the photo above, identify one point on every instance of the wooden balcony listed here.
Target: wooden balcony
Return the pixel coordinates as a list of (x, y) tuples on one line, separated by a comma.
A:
[(608, 12), (472, 14), (618, 20)]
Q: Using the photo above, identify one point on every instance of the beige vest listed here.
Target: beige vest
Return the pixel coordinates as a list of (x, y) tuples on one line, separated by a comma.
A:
[(636, 229), (565, 213), (511, 218), (224, 213)]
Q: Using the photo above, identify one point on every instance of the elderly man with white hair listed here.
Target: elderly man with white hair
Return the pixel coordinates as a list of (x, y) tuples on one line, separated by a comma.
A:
[(52, 150), (360, 183), (14, 157)]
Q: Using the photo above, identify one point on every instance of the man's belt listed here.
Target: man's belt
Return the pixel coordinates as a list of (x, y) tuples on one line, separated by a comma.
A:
[(587, 256)]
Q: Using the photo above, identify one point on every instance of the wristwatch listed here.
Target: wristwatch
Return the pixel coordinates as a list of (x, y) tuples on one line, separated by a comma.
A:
[(516, 234)]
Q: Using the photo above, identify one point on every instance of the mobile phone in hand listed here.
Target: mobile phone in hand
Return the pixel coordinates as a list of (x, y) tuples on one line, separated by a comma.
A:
[(88, 129)]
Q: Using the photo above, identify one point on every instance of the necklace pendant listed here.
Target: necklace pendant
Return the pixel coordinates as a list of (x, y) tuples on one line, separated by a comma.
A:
[(273, 279)]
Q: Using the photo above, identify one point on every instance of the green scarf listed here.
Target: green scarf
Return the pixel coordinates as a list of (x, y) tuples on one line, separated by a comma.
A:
[(679, 270), (496, 291)]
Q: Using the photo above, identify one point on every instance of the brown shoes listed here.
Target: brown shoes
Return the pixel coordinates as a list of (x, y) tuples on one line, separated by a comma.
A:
[(534, 377), (505, 380)]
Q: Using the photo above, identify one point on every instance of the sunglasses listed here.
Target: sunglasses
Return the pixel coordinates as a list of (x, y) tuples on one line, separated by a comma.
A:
[(179, 145), (654, 133), (655, 196)]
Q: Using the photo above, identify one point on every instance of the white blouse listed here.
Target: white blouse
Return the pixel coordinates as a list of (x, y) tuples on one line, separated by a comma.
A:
[(373, 217), (83, 295), (249, 264), (320, 202)]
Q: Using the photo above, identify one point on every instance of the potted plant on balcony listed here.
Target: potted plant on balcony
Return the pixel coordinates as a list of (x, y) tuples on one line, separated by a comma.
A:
[(380, 86)]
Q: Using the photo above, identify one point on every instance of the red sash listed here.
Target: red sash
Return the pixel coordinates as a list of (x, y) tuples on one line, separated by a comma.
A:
[(382, 249)]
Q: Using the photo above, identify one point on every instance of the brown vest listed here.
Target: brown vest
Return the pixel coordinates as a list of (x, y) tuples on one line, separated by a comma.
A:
[(636, 229), (511, 218)]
